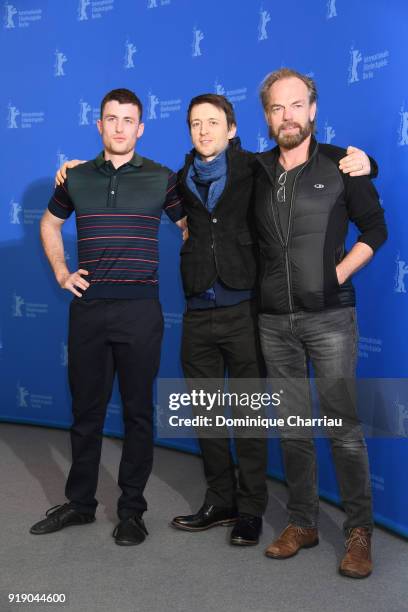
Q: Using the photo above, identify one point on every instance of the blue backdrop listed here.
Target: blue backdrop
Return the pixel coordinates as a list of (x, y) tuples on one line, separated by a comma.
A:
[(60, 57)]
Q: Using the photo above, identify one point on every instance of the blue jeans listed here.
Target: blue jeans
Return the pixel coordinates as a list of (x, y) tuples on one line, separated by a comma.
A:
[(328, 341)]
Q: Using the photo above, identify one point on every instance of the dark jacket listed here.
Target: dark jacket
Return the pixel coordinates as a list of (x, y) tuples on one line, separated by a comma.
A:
[(221, 244), (298, 270)]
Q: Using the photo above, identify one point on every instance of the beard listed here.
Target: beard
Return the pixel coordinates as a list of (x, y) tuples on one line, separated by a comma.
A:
[(290, 141)]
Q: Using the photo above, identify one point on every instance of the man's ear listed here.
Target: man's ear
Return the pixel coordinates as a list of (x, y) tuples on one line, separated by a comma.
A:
[(140, 130), (232, 131), (313, 111), (99, 126)]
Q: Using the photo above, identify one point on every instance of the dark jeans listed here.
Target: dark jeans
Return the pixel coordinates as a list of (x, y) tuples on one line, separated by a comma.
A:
[(108, 336), (328, 341), (214, 342)]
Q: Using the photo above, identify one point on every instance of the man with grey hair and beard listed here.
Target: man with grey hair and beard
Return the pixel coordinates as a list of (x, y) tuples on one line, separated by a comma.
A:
[(303, 205)]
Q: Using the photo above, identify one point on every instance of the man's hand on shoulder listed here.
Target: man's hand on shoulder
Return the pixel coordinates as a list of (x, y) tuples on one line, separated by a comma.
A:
[(73, 282), (62, 172), (182, 223), (355, 163)]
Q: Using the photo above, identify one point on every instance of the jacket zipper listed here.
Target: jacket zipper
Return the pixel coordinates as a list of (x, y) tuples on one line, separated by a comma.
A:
[(286, 244), (285, 250)]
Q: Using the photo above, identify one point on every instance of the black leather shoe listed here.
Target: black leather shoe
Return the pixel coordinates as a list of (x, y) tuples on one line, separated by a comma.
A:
[(59, 517), (247, 530), (208, 516), (130, 531)]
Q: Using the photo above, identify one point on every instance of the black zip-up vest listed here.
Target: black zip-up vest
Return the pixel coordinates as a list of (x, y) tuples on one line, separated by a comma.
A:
[(298, 269)]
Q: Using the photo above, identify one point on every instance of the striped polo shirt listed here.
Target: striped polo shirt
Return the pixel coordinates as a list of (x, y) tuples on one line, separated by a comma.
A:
[(118, 214)]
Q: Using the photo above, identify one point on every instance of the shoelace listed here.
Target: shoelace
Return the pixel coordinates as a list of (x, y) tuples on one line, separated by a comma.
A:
[(357, 539), (299, 530)]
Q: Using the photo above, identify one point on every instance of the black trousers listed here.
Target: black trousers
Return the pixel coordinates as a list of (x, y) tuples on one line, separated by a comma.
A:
[(216, 341), (107, 337)]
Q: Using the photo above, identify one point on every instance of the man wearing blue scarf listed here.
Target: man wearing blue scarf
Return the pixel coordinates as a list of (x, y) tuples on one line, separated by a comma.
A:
[(218, 265)]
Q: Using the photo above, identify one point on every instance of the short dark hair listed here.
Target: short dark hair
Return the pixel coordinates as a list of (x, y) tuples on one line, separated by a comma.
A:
[(220, 102), (123, 96)]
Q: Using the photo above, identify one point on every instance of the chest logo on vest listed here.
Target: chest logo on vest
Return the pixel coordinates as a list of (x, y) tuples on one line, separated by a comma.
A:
[(318, 186)]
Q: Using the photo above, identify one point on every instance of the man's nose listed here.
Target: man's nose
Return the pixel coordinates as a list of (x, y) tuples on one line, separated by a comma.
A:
[(203, 128), (119, 126), (287, 113)]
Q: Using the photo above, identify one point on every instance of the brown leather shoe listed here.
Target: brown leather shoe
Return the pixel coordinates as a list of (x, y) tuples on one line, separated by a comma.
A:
[(291, 540), (357, 562)]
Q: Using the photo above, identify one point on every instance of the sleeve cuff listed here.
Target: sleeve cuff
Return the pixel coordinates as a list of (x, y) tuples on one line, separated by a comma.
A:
[(57, 211)]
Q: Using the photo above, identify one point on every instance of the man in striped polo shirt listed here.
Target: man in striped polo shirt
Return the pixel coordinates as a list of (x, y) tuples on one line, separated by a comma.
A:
[(115, 322)]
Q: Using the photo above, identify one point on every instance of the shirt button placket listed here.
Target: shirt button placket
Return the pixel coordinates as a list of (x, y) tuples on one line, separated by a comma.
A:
[(112, 190)]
